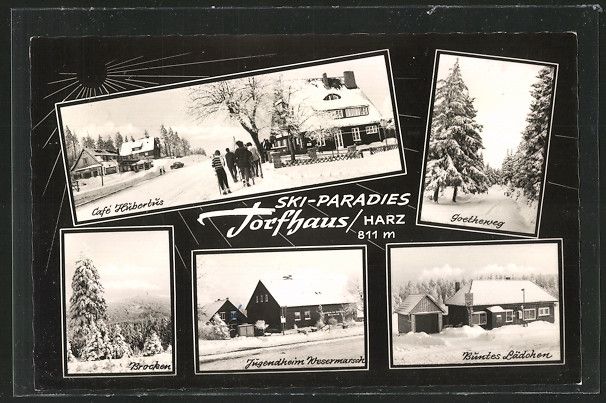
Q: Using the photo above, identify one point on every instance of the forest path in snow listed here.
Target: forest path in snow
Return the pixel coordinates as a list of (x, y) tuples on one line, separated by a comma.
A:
[(491, 206)]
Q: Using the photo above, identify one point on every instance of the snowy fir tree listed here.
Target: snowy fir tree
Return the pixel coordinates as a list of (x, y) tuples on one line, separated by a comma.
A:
[(87, 306), (528, 163), (118, 346), (70, 355), (454, 152), (152, 345), (97, 345)]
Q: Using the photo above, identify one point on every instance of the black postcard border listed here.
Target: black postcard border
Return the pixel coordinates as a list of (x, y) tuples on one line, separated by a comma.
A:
[(461, 227), (171, 237), (196, 252), (561, 302)]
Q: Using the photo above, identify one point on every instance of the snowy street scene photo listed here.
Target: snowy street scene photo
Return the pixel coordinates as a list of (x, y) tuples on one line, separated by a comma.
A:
[(219, 140), (487, 144), (475, 304), (118, 311), (280, 310)]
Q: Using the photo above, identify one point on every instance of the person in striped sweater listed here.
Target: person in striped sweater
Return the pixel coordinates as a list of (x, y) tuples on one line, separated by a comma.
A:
[(218, 162)]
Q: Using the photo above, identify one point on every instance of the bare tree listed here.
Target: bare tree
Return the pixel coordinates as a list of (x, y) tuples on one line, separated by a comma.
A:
[(242, 99)]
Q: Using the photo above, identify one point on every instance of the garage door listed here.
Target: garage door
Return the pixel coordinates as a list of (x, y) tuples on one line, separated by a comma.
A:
[(427, 323)]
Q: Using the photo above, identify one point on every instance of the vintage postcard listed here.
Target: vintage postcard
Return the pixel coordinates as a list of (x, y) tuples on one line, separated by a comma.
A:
[(475, 303), (118, 302), (487, 143), (219, 139), (282, 309)]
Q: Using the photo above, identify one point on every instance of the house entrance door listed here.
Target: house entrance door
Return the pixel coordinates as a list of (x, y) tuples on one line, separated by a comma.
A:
[(339, 139)]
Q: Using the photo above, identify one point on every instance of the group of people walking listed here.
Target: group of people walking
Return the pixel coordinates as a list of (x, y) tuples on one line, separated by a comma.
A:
[(244, 164)]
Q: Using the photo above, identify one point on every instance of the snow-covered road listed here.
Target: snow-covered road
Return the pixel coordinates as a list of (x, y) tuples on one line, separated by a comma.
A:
[(313, 355), (196, 182), (501, 211)]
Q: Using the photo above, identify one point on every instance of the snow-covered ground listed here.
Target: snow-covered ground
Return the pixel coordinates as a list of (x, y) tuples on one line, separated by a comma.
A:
[(503, 213), (461, 345), (207, 348), (342, 352), (159, 363), (196, 182)]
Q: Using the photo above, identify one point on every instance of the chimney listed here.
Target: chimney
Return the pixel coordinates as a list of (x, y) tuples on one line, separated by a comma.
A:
[(325, 80), (457, 286), (349, 80)]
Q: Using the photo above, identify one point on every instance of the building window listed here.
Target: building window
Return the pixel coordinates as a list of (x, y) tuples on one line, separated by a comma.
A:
[(222, 315), (307, 315), (478, 318), (530, 314), (356, 134), (256, 299), (372, 129), (356, 111), (297, 316), (339, 139), (508, 316), (337, 113), (331, 97), (544, 311), (321, 141), (266, 298), (232, 315), (85, 160)]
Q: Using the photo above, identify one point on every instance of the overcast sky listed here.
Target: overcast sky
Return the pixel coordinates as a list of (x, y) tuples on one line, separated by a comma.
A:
[(468, 261), (127, 265), (235, 275), (502, 98), (131, 115)]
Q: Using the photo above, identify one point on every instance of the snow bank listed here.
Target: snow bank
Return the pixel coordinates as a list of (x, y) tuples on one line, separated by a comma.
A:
[(122, 365), (210, 347), (452, 344), (413, 339)]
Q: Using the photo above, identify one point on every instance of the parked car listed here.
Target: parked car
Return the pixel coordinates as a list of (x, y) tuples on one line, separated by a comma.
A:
[(176, 165)]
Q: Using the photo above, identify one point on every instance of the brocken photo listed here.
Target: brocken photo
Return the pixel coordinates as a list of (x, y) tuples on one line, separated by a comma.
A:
[(280, 310), (228, 138), (487, 143), (475, 303), (118, 302)]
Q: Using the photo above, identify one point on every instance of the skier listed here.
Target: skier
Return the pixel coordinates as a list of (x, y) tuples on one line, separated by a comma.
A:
[(230, 160), (266, 149), (244, 161), (256, 160), (218, 163)]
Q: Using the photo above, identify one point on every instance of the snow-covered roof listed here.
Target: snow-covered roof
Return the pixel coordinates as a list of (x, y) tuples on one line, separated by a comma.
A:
[(411, 301), (100, 152), (206, 312), (495, 309), (498, 292), (313, 290), (138, 146), (311, 93)]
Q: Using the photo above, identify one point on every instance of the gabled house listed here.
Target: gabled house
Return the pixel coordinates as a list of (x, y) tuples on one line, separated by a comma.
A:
[(495, 303), (94, 162), (420, 313), (137, 154), (226, 310), (335, 106), (299, 302)]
